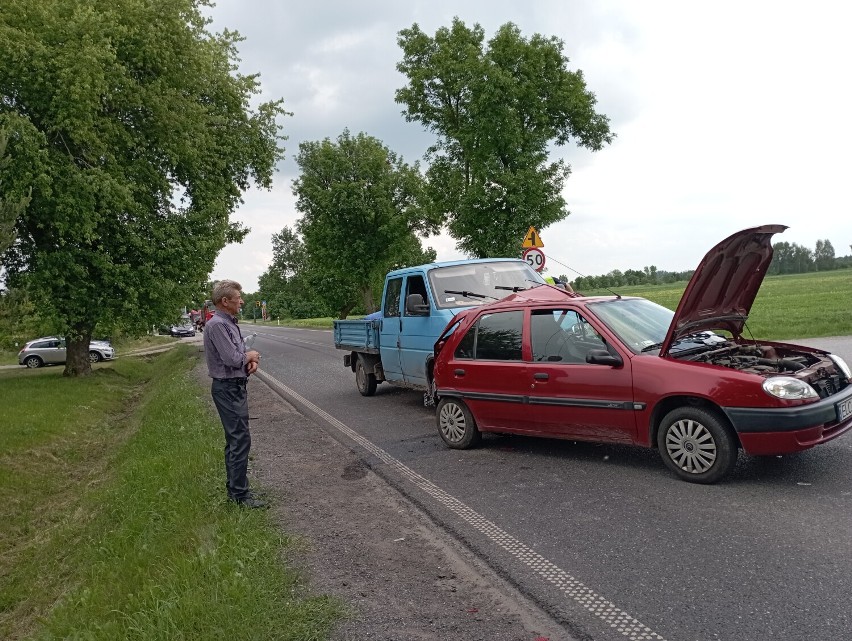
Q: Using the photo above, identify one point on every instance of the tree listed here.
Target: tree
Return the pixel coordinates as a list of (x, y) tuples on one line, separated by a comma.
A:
[(360, 204), (11, 206), (824, 255), (288, 286), (135, 131), (496, 109)]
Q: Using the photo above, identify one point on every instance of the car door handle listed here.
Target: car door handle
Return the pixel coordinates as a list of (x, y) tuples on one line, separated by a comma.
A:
[(541, 376), (458, 372)]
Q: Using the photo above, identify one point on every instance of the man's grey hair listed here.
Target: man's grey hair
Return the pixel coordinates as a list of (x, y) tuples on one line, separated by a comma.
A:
[(225, 289)]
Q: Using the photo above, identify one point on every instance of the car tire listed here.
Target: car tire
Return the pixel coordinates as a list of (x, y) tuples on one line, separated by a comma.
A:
[(456, 424), (696, 444), (94, 357), (365, 381), (33, 362)]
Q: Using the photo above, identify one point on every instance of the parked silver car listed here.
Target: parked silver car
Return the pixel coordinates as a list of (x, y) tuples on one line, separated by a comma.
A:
[(50, 350)]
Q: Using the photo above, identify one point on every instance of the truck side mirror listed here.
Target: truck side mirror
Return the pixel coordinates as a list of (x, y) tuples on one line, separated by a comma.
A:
[(415, 305)]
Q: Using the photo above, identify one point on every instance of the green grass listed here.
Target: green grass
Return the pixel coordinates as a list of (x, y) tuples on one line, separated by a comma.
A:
[(113, 523), (313, 323), (789, 306)]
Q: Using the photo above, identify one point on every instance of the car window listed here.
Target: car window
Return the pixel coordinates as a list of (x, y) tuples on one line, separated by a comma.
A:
[(465, 346), (562, 335), (494, 337), (392, 295), (637, 322), (41, 345)]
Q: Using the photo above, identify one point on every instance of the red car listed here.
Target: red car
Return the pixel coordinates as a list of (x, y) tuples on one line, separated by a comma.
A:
[(618, 369)]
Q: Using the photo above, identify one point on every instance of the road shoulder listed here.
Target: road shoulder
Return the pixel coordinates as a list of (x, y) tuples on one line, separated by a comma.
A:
[(364, 543)]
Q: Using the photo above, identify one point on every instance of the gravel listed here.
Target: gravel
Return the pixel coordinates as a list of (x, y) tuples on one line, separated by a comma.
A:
[(401, 576)]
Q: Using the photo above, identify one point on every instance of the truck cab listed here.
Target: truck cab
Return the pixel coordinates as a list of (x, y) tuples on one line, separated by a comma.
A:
[(417, 303)]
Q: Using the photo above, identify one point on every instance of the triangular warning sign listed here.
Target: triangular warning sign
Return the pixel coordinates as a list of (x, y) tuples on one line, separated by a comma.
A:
[(532, 239)]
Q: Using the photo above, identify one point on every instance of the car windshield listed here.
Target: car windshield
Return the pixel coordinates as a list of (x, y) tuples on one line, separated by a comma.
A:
[(479, 283), (637, 322)]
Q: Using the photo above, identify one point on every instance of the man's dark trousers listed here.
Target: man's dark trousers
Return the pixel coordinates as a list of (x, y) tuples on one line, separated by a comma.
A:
[(231, 399)]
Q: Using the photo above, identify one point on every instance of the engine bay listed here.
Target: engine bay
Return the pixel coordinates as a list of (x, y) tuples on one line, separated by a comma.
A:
[(815, 368)]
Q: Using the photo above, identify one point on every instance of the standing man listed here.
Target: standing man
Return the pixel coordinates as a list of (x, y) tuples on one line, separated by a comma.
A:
[(230, 365)]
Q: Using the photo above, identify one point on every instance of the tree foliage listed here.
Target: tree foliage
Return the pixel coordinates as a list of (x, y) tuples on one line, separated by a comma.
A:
[(361, 213), (288, 286), (11, 205), (791, 258), (496, 108), (824, 255), (134, 130)]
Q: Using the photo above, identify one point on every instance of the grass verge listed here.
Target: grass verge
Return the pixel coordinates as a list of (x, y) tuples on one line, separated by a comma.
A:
[(113, 523), (789, 306)]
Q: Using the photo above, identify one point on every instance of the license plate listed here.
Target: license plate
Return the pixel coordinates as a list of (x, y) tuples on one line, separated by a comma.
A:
[(844, 409)]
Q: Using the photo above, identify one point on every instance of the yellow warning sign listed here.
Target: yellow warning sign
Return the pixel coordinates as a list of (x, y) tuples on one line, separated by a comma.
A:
[(532, 239)]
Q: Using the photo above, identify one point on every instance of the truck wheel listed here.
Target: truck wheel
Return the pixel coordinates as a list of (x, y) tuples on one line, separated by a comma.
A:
[(696, 445), (365, 381), (456, 425)]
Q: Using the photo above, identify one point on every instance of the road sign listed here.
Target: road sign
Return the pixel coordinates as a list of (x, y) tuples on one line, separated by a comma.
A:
[(535, 257), (532, 239)]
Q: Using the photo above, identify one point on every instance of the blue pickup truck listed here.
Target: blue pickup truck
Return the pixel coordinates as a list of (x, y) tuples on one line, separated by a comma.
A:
[(417, 304)]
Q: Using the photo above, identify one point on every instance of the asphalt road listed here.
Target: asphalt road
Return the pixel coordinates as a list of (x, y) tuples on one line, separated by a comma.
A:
[(601, 536)]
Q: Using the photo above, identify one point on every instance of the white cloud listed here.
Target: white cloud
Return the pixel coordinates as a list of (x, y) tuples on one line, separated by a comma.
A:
[(728, 115)]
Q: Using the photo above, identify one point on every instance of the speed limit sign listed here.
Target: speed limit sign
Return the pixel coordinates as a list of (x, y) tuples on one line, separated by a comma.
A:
[(535, 257)]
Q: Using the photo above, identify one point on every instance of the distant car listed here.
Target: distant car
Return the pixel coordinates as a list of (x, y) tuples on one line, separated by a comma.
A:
[(182, 331), (50, 350), (619, 369)]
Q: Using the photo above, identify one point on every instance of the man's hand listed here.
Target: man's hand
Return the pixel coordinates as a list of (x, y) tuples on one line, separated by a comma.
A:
[(252, 361)]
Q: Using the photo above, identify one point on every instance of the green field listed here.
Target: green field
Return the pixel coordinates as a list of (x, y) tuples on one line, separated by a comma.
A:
[(113, 522), (789, 306)]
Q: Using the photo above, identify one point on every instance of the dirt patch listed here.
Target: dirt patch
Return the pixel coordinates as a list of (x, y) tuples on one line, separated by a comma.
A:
[(403, 578)]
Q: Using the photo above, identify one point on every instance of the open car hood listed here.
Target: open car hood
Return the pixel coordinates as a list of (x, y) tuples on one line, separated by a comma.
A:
[(723, 288)]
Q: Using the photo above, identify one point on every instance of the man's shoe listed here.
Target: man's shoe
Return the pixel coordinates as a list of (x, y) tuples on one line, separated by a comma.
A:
[(251, 502)]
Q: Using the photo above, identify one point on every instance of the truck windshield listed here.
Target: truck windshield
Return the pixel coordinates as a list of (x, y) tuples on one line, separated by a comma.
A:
[(484, 281)]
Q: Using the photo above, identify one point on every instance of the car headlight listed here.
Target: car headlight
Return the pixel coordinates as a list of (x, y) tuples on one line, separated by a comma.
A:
[(788, 388), (842, 366)]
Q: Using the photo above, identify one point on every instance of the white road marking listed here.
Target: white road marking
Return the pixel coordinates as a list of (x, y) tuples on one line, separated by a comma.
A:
[(574, 589)]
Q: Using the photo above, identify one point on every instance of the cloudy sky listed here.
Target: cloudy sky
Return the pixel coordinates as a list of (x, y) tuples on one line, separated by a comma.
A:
[(727, 114)]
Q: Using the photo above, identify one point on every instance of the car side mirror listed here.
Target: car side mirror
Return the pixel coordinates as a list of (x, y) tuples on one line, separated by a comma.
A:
[(415, 305), (603, 357)]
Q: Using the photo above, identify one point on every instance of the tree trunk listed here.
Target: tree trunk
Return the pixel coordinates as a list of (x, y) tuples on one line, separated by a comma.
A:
[(367, 296), (77, 353), (344, 311)]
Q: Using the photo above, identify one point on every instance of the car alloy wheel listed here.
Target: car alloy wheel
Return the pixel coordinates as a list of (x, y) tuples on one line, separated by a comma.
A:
[(32, 362), (697, 445), (94, 357), (456, 424)]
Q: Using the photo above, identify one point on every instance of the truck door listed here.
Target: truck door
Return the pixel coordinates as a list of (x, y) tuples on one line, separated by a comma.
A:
[(420, 328), (390, 329)]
